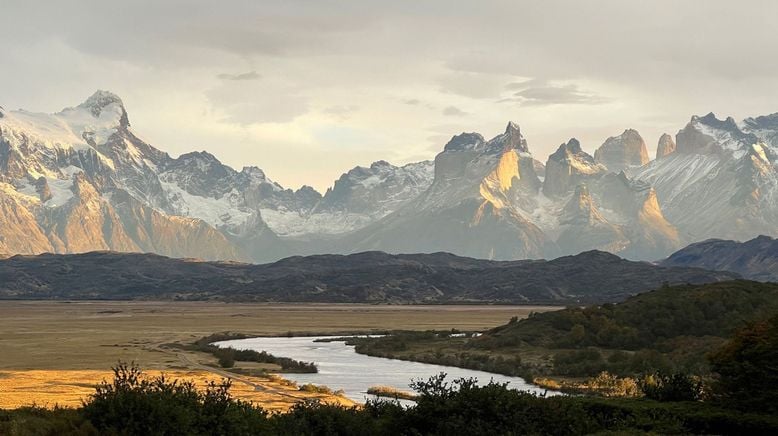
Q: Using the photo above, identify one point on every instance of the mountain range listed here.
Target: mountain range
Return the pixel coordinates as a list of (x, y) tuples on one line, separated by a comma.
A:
[(369, 277), (82, 180)]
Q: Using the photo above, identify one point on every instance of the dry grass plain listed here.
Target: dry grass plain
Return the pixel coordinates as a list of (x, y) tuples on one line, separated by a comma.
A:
[(54, 352)]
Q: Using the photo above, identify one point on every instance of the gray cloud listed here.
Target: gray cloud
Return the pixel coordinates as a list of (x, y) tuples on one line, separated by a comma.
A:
[(251, 75), (453, 111), (187, 66), (539, 93)]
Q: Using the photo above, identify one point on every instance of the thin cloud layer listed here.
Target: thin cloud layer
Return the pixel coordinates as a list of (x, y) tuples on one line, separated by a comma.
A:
[(251, 75), (453, 111), (274, 83)]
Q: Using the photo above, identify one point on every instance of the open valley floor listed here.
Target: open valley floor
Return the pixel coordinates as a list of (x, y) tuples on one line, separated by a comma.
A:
[(55, 352)]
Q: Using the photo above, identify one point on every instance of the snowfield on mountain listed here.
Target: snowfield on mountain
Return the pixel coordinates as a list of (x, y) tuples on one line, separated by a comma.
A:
[(82, 180)]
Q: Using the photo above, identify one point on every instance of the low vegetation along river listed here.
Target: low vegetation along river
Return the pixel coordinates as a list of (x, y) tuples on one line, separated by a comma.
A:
[(340, 367)]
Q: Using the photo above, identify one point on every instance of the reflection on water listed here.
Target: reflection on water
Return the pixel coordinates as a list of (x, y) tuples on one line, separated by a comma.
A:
[(340, 367)]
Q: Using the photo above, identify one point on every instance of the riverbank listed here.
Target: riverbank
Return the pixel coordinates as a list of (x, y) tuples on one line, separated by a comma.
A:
[(341, 368), (72, 345), (442, 407), (608, 350)]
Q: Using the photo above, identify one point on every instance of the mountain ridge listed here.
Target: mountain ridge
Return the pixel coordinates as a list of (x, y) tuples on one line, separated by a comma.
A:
[(367, 277), (756, 259), (81, 179)]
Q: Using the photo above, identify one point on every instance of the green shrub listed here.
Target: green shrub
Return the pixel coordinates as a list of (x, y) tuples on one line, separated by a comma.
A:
[(673, 387), (40, 421), (136, 405), (747, 367), (226, 360)]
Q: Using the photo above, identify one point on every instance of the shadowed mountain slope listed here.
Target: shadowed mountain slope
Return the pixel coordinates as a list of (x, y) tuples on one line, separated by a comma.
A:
[(369, 277)]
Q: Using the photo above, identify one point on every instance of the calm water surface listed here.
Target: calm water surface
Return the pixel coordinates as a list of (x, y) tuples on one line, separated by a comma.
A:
[(340, 367)]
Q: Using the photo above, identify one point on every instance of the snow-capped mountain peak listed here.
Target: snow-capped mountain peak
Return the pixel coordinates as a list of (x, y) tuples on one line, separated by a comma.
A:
[(255, 174), (99, 101), (80, 179), (42, 144), (708, 134), (465, 142), (765, 128)]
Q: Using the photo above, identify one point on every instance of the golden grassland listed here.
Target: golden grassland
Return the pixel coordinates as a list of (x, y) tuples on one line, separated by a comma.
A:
[(55, 352), (68, 388)]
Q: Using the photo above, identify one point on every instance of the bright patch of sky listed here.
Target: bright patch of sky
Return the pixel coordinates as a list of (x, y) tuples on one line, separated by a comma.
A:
[(309, 89)]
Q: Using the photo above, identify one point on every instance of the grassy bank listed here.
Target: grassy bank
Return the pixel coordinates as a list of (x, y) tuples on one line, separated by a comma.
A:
[(390, 392), (606, 349), (227, 356)]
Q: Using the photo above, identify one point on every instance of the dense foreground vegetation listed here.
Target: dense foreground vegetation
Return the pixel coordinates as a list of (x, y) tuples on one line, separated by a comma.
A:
[(670, 330), (134, 405)]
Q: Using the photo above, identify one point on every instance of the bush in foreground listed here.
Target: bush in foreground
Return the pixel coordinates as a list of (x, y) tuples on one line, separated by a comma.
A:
[(135, 405), (748, 368), (672, 387)]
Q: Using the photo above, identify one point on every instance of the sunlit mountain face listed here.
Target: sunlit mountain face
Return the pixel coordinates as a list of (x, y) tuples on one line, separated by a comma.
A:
[(82, 179)]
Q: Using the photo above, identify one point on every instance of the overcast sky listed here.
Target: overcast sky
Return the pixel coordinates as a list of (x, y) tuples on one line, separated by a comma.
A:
[(308, 89)]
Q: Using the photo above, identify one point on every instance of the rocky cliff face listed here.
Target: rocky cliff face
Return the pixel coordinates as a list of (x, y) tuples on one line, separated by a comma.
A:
[(81, 180), (472, 206), (584, 227), (568, 167), (709, 135), (365, 194), (487, 201), (766, 129), (721, 181), (20, 231), (665, 146), (79, 168), (618, 153)]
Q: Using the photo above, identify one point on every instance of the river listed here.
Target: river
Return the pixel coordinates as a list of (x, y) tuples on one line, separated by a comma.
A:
[(340, 367)]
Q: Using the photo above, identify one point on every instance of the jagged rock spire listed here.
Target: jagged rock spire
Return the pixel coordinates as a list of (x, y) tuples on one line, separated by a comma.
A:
[(513, 139), (665, 146), (567, 167), (623, 151)]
